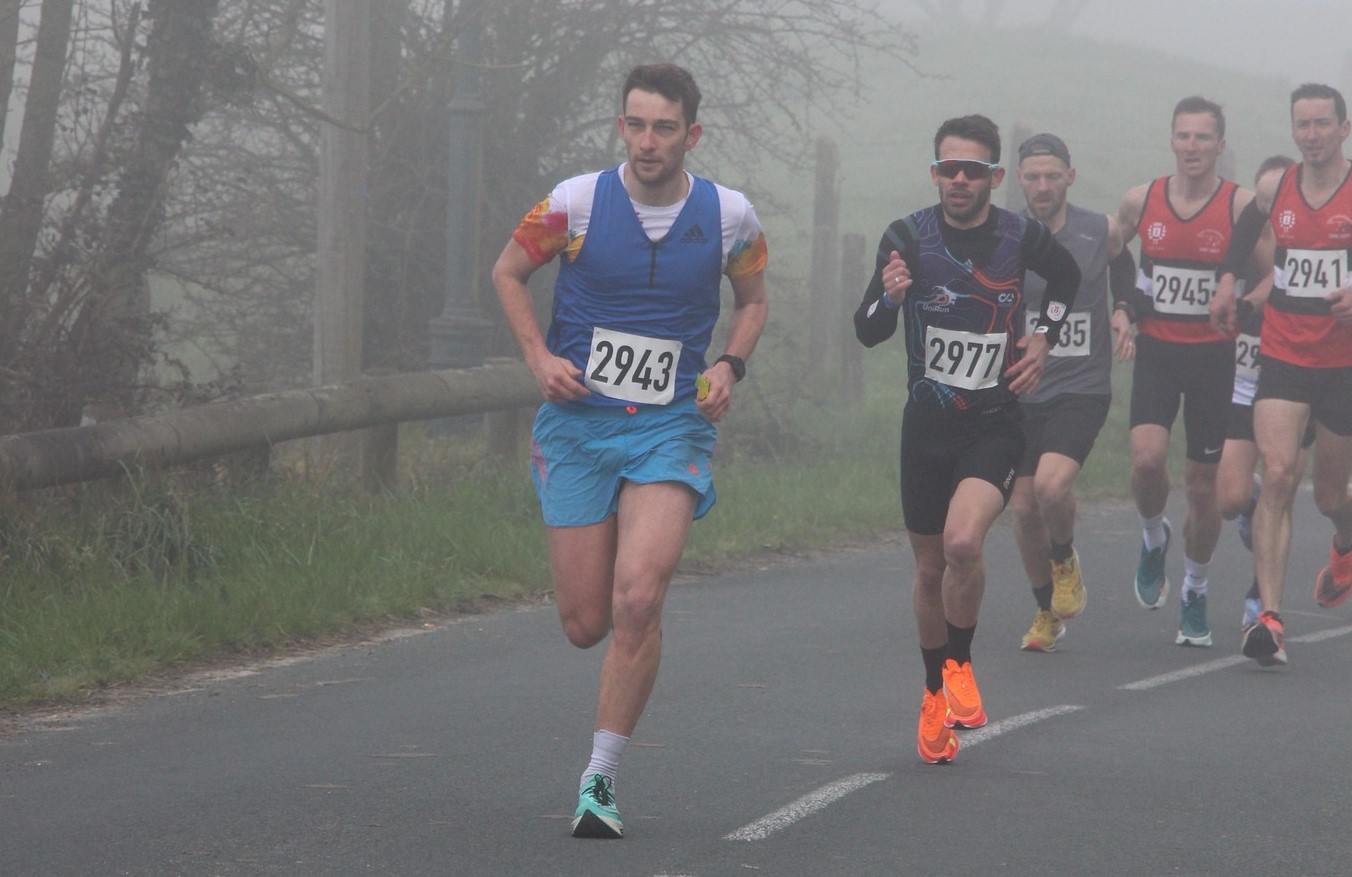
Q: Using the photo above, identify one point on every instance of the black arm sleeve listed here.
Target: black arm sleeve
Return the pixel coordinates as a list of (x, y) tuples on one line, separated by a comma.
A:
[(1054, 264), (1248, 229), (1122, 284), (874, 321)]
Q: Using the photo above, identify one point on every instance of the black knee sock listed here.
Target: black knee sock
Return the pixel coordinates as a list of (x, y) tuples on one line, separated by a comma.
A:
[(960, 643), (934, 667)]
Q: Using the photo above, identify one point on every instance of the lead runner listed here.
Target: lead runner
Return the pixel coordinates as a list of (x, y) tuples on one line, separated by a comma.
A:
[(621, 449)]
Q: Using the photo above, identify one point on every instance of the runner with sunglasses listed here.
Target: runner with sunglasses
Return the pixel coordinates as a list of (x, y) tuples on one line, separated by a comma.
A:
[(1185, 221), (954, 273)]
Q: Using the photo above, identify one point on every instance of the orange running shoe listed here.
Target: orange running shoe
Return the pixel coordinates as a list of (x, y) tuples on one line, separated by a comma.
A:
[(1335, 580), (964, 701), (934, 741)]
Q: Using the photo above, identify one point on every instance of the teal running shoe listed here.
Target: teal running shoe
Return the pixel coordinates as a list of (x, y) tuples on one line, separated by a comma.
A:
[(596, 816), (1152, 585), (1192, 627)]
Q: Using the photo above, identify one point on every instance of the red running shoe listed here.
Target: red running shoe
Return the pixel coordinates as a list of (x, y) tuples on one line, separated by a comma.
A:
[(1335, 580)]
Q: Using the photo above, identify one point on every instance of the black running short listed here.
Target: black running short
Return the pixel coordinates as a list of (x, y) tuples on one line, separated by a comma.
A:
[(939, 449), (1328, 391), (1067, 425), (1200, 376), (1241, 425)]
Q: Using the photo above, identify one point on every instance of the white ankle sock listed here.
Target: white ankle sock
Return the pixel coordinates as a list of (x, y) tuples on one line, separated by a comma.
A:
[(605, 757), (1152, 531), (1195, 576)]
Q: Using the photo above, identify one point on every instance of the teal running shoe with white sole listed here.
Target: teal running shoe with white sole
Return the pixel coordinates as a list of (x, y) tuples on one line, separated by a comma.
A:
[(596, 816), (1193, 629), (1152, 585)]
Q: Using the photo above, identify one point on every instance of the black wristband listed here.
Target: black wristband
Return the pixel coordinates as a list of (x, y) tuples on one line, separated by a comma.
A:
[(736, 362)]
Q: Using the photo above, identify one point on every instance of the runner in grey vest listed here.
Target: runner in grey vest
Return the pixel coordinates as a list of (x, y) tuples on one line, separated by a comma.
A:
[(1063, 416), (1082, 361)]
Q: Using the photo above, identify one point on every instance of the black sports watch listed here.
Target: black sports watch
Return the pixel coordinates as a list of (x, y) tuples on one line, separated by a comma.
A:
[(738, 365)]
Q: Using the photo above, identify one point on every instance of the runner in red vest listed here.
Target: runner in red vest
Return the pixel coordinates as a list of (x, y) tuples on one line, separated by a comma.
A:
[(1185, 222), (1307, 354)]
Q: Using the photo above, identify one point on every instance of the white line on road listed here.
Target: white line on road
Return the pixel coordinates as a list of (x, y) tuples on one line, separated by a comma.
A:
[(1320, 636), (1222, 663), (1014, 723), (1186, 673), (805, 806), (819, 799)]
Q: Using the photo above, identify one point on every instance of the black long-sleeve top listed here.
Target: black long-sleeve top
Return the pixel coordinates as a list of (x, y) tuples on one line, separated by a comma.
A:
[(968, 288)]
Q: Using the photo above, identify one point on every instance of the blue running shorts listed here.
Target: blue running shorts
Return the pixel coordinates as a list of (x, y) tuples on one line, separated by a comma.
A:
[(580, 455)]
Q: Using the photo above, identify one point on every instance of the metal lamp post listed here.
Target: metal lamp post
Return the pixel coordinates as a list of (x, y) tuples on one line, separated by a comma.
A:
[(459, 337)]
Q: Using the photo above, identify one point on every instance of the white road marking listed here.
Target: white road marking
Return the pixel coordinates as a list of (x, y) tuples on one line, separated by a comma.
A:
[(1222, 663), (819, 799), (968, 739), (1320, 636), (1185, 673), (812, 802)]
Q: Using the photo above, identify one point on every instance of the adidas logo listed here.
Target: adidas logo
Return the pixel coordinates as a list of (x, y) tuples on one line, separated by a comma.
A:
[(694, 235)]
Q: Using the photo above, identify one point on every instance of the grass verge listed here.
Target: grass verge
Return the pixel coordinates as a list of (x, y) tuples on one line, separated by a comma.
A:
[(111, 585)]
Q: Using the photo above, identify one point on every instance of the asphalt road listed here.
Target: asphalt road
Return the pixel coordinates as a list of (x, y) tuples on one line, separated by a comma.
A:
[(780, 741)]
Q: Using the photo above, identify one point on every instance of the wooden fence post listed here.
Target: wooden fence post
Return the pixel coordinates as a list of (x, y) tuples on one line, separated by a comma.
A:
[(823, 339), (502, 428), (854, 274)]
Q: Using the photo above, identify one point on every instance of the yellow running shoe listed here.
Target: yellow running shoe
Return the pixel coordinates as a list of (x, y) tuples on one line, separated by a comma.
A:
[(934, 741), (1068, 594), (964, 701), (1044, 633)]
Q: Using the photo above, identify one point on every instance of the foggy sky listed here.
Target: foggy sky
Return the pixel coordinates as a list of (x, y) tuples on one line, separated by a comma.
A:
[(1297, 40)]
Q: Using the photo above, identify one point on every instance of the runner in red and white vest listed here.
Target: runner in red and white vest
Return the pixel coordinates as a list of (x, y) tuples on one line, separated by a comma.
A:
[(1185, 223), (1306, 354)]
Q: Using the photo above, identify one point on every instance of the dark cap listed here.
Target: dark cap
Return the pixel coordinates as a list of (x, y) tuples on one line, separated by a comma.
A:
[(1044, 144)]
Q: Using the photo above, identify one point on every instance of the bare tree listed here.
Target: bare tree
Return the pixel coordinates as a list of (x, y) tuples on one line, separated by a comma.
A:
[(95, 156), (22, 213), (771, 72), (181, 151), (9, 54)]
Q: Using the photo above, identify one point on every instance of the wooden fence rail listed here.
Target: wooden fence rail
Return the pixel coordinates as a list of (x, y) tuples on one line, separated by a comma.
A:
[(83, 453)]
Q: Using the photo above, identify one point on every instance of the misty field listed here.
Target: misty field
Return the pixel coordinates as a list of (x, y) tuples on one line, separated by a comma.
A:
[(106, 585)]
